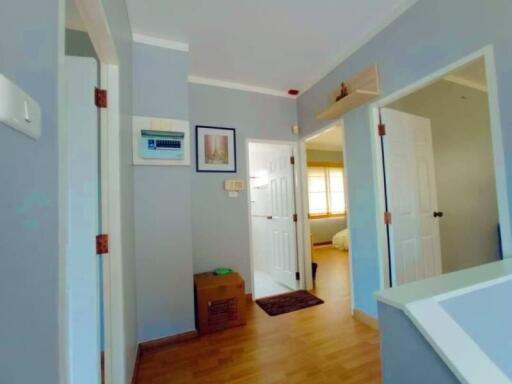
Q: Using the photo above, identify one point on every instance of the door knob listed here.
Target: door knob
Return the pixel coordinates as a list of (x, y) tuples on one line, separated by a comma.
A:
[(438, 214)]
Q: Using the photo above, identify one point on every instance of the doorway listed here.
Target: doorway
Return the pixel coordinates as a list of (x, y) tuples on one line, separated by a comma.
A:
[(439, 175), (325, 186), (273, 218), (89, 179)]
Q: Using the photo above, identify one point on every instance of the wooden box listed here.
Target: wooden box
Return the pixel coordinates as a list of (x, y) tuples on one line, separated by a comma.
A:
[(220, 302)]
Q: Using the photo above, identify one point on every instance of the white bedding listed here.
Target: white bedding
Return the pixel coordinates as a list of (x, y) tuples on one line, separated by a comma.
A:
[(340, 240)]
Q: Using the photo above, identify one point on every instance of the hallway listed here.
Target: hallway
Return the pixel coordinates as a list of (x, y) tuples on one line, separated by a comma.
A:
[(318, 345)]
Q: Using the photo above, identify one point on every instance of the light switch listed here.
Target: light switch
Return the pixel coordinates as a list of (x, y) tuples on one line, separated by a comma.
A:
[(18, 110)]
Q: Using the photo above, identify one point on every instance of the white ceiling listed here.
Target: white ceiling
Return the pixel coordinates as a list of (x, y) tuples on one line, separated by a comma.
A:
[(275, 44), (328, 140)]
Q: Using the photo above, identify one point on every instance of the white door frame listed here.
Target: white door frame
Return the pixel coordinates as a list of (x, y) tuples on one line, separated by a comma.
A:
[(113, 320), (303, 270), (497, 144), (306, 234), (96, 23)]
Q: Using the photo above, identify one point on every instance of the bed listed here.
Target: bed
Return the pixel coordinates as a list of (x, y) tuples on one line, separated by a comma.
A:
[(340, 240)]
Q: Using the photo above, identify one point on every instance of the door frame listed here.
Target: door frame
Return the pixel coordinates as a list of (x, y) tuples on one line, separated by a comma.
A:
[(308, 257), (487, 53), (298, 209), (96, 25)]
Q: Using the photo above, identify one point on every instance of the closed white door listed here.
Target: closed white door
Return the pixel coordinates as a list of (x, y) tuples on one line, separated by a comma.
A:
[(82, 275), (412, 197), (282, 224)]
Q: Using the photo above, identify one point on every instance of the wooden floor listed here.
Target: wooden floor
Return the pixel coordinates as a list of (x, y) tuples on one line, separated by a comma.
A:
[(317, 345)]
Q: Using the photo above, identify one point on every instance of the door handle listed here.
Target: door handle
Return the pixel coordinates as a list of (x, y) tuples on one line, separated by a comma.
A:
[(438, 214), (270, 217)]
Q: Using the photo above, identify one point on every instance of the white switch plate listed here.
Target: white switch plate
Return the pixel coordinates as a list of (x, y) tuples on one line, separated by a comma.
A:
[(234, 185), (18, 110)]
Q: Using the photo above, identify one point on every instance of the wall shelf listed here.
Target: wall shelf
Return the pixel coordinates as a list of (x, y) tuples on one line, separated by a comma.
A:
[(362, 88)]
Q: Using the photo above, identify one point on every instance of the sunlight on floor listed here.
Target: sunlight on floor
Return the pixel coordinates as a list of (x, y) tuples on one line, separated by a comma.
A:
[(265, 286)]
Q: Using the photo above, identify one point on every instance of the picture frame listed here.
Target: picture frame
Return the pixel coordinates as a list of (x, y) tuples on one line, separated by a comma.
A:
[(215, 149)]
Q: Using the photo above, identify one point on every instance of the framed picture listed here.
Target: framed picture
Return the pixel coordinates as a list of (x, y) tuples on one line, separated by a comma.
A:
[(215, 149)]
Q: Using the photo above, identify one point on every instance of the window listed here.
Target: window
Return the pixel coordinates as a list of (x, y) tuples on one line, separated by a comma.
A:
[(326, 191)]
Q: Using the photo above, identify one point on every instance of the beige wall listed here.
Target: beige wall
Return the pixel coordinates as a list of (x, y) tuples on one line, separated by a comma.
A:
[(464, 171), (316, 155)]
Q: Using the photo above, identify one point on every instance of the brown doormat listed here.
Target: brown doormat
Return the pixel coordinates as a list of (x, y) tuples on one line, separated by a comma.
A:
[(289, 302)]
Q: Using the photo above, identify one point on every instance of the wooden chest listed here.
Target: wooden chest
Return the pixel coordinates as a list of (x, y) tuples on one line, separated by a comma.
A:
[(220, 302)]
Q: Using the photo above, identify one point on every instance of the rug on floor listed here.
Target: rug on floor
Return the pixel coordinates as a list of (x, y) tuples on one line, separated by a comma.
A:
[(288, 302)]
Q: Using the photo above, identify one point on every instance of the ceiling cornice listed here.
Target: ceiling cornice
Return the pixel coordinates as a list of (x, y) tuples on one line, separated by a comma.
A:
[(465, 82), (238, 86), (159, 42)]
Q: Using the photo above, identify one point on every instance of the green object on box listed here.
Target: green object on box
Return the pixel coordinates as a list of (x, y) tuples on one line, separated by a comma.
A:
[(223, 271)]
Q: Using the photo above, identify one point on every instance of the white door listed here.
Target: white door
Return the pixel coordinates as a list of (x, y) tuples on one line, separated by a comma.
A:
[(82, 278), (412, 197), (283, 226)]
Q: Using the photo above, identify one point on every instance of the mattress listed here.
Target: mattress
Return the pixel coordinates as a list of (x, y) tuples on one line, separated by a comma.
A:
[(340, 240)]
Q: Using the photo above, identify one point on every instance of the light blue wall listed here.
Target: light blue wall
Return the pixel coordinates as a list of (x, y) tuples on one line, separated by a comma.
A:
[(160, 82), (429, 36), (185, 221), (406, 355), (163, 202), (29, 42), (29, 254), (485, 315), (220, 225)]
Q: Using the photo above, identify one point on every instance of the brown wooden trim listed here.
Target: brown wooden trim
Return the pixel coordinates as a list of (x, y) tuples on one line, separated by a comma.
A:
[(136, 366), (324, 164), (167, 341), (322, 243), (366, 319), (327, 216)]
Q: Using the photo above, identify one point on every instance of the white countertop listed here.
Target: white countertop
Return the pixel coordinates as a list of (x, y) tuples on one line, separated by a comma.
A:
[(405, 294), (422, 302)]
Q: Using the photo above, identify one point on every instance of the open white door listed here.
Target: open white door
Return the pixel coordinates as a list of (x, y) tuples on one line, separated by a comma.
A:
[(412, 197), (283, 226), (81, 77)]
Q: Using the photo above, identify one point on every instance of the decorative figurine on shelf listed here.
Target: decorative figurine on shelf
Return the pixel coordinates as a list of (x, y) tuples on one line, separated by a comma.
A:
[(343, 92)]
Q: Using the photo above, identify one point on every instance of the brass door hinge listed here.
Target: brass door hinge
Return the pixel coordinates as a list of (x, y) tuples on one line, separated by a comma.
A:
[(100, 98), (382, 129), (102, 244)]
